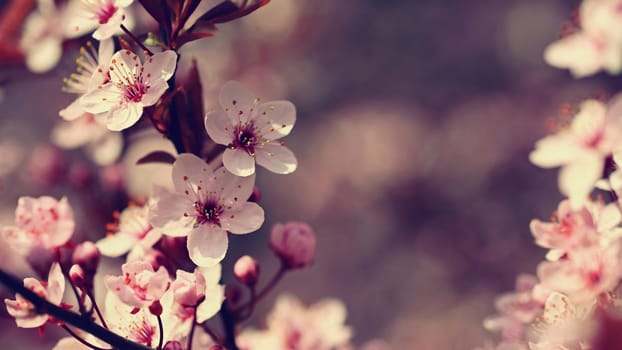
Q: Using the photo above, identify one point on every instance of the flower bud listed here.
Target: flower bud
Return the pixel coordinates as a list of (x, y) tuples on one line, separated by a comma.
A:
[(79, 278), (246, 270), (156, 308), (188, 288), (293, 243), (173, 345), (87, 256), (233, 294)]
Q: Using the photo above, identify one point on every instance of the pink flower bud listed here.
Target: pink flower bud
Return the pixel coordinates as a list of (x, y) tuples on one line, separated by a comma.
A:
[(156, 308), (294, 243), (79, 278), (188, 288), (87, 256), (173, 345), (246, 270)]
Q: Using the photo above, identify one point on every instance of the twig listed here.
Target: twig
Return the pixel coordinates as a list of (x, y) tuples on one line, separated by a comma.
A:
[(82, 340), (161, 328), (127, 31), (43, 306)]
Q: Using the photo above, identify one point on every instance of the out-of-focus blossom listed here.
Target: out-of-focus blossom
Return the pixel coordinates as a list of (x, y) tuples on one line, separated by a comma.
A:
[(581, 149), (563, 325), (139, 285), (45, 166), (12, 154), (52, 290), (294, 243), (133, 230), (101, 145), (251, 131), (40, 222), (598, 45), (92, 71), (87, 256), (205, 205), (105, 15), (119, 103), (594, 223), (517, 310), (291, 325)]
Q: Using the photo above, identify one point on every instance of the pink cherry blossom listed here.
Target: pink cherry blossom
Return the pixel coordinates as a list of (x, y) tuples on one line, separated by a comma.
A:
[(103, 15), (246, 270), (205, 205), (200, 289), (92, 71), (52, 291), (119, 103), (581, 149), (291, 325), (40, 222), (598, 45), (294, 243), (140, 285), (133, 230), (251, 131)]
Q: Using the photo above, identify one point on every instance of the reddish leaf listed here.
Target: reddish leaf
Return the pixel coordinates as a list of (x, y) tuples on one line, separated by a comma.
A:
[(157, 157)]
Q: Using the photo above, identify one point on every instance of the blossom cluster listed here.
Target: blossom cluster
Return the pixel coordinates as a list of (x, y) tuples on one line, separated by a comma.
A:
[(172, 241)]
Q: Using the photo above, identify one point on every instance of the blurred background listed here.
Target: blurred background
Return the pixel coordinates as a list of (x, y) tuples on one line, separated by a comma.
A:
[(415, 120)]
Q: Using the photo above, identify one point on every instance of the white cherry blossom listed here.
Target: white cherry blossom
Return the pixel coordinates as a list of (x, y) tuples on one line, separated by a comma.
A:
[(205, 205), (251, 131), (52, 291), (139, 285), (119, 103), (105, 16)]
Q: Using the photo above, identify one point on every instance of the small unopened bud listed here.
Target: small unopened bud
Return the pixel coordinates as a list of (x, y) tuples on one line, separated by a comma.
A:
[(173, 345), (246, 270), (294, 244), (156, 308), (79, 278), (87, 256)]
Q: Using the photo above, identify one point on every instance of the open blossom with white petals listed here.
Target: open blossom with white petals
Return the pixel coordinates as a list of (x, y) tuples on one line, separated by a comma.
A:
[(52, 291), (205, 205), (92, 71), (42, 222), (139, 285), (291, 325), (581, 149), (103, 15), (133, 230), (598, 45), (119, 103), (251, 131)]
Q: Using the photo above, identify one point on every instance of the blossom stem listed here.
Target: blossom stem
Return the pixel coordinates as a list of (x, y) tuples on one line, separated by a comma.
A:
[(191, 334), (250, 305), (79, 298), (136, 40), (43, 306), (228, 321), (82, 340), (161, 328), (96, 308)]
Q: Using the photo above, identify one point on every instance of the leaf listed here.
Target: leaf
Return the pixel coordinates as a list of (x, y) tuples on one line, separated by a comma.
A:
[(160, 12), (157, 157), (189, 37), (228, 11)]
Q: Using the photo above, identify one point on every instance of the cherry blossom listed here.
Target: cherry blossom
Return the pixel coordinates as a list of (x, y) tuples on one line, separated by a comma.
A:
[(92, 71), (201, 289), (100, 144), (598, 45), (205, 205), (119, 103), (581, 149), (139, 285), (291, 325), (40, 222), (133, 230), (52, 290), (105, 15), (251, 131)]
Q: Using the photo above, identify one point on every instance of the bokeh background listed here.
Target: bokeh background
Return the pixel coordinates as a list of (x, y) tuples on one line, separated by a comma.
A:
[(415, 121)]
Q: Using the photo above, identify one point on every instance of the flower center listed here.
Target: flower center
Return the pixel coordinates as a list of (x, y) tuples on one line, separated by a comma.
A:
[(247, 138), (105, 12), (134, 92), (208, 212)]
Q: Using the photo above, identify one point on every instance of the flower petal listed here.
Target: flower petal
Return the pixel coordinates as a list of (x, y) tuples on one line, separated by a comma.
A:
[(171, 213), (554, 150), (276, 119), (276, 158), (207, 245), (115, 245), (576, 180), (247, 219), (219, 127), (160, 66), (214, 296), (238, 162), (236, 100), (190, 171)]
